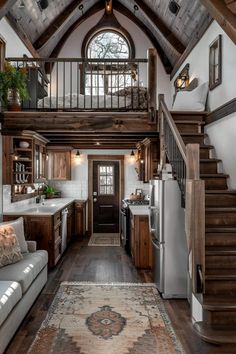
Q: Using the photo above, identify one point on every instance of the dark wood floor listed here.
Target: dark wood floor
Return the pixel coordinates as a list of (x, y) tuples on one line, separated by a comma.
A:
[(103, 264)]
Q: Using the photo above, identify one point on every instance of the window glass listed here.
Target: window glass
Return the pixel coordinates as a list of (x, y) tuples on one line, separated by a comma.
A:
[(105, 180)]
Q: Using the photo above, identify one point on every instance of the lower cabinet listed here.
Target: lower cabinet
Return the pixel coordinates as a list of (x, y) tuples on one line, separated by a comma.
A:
[(70, 222), (141, 248), (80, 217)]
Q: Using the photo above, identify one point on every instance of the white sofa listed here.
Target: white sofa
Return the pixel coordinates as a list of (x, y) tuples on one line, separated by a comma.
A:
[(20, 284)]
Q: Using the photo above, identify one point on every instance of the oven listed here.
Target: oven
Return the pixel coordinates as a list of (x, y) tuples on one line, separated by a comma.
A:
[(125, 221)]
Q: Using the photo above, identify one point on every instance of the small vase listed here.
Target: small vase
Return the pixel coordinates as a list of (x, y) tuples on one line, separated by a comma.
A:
[(13, 98)]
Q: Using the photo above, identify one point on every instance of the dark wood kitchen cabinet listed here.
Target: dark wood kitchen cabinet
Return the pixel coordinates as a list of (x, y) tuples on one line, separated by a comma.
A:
[(70, 222), (141, 248), (148, 159), (80, 217), (46, 231), (59, 163)]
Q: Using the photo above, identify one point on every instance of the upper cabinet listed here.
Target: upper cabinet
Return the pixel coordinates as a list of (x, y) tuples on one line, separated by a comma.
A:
[(148, 159), (24, 157), (59, 163)]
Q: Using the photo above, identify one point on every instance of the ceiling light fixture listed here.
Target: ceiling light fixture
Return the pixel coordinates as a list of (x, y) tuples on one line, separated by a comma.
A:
[(108, 6), (132, 153), (174, 7)]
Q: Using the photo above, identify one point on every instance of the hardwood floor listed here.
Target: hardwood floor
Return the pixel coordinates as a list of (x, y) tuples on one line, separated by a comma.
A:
[(103, 264)]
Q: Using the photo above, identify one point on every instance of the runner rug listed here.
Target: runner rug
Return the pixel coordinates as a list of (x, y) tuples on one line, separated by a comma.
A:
[(104, 240), (121, 318)]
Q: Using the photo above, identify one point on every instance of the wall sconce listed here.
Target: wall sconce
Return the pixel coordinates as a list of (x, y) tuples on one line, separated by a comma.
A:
[(77, 154), (182, 80), (108, 6)]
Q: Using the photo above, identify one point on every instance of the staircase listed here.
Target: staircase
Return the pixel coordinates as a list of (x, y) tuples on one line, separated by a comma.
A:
[(219, 299)]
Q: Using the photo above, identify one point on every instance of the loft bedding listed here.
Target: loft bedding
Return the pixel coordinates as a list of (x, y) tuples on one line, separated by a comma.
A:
[(131, 98)]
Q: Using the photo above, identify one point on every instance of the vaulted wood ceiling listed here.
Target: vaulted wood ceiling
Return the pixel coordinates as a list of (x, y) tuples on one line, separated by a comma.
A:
[(45, 31)]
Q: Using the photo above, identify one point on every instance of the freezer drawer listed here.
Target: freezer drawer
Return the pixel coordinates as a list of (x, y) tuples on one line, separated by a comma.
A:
[(158, 264)]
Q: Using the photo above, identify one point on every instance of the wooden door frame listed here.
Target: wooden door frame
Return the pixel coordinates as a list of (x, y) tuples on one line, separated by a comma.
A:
[(91, 159)]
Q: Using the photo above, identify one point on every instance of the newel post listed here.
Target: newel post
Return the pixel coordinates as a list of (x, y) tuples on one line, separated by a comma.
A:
[(160, 128), (195, 218), (152, 84)]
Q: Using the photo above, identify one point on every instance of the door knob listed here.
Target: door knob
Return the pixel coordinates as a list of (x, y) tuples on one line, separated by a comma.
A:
[(94, 199)]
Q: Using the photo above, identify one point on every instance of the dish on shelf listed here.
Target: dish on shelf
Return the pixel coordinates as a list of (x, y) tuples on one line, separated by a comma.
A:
[(24, 144)]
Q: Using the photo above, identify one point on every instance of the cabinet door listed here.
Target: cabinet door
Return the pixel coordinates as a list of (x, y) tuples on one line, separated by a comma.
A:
[(59, 165), (80, 218), (39, 161)]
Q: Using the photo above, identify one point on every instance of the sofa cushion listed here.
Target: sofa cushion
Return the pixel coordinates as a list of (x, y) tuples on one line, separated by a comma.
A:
[(18, 226), (25, 271), (10, 294), (9, 246)]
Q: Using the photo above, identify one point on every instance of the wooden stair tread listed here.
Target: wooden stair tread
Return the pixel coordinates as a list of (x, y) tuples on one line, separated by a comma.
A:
[(221, 228), (220, 251), (221, 274), (223, 209), (209, 160), (220, 191), (215, 175), (203, 146), (189, 122), (194, 134), (216, 334), (219, 303)]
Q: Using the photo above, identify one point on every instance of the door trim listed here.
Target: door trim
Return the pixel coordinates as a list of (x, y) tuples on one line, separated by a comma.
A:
[(91, 158)]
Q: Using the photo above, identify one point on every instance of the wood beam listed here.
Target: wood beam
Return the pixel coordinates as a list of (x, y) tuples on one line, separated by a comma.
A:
[(94, 9), (126, 12), (5, 6), (161, 26), (21, 34), (56, 24), (220, 12)]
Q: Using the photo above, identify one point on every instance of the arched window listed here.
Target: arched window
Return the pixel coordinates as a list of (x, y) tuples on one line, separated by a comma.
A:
[(108, 45), (105, 78)]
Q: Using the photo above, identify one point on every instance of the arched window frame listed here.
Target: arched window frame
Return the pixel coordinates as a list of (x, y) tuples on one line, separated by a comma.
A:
[(106, 87)]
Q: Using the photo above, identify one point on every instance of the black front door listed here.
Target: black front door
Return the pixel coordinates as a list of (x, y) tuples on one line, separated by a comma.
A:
[(106, 195)]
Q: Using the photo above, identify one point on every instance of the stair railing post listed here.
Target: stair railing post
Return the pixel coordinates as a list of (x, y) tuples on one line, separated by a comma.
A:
[(195, 218), (161, 133), (152, 84)]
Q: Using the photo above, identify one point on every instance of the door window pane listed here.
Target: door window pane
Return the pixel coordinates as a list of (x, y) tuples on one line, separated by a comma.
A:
[(105, 180)]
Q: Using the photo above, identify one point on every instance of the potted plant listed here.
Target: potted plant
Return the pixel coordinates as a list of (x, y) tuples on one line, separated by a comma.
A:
[(13, 86), (49, 191)]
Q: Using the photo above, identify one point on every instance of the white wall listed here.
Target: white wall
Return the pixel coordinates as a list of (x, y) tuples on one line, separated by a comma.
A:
[(199, 66), (78, 186), (222, 134), (72, 48), (14, 45)]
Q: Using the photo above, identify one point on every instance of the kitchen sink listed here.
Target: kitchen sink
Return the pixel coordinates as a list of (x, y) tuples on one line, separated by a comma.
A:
[(42, 209)]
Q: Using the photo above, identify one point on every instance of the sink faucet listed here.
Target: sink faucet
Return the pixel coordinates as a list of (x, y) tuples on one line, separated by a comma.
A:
[(42, 200)]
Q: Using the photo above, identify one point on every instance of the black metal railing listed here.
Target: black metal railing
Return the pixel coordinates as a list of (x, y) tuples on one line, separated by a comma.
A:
[(175, 159), (85, 84)]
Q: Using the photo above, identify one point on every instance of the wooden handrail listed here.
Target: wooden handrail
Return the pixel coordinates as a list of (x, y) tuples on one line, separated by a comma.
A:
[(174, 129)]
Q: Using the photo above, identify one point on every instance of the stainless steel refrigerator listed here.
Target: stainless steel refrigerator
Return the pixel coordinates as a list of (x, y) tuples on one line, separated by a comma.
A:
[(166, 222)]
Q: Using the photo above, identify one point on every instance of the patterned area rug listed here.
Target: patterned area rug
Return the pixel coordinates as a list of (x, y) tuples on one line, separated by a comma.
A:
[(104, 240), (121, 318)]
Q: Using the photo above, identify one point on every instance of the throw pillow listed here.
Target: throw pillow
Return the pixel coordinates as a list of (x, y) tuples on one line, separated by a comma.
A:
[(9, 246), (191, 100), (18, 226)]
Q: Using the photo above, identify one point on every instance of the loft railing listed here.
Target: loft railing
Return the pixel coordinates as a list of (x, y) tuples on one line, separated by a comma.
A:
[(185, 162), (85, 84)]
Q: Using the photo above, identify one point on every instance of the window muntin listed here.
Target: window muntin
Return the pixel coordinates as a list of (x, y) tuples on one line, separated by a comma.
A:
[(106, 180), (108, 45), (109, 77)]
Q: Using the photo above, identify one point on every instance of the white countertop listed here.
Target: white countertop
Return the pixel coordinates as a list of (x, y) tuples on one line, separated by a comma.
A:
[(49, 207), (139, 209)]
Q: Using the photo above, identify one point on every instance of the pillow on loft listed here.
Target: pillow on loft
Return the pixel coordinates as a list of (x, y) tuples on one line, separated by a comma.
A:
[(9, 246), (194, 100), (18, 226)]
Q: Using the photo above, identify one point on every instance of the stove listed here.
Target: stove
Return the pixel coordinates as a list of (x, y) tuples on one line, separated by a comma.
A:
[(127, 202), (125, 220)]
